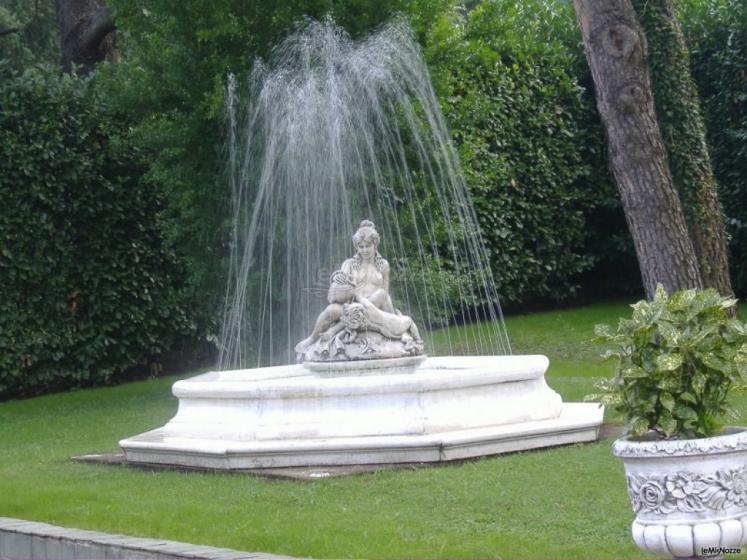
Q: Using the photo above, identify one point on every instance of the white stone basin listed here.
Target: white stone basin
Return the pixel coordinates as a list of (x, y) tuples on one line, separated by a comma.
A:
[(448, 408)]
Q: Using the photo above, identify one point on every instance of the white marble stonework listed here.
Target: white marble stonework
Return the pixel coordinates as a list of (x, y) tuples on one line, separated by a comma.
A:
[(689, 495), (446, 408)]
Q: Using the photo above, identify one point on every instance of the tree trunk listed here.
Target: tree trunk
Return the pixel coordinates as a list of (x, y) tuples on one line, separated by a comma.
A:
[(616, 51), (683, 130), (87, 33)]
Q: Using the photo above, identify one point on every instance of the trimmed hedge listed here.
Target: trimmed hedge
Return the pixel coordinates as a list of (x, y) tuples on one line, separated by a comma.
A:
[(521, 124), (87, 286)]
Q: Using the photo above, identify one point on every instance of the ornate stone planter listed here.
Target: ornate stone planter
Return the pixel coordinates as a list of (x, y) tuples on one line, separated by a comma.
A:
[(689, 496)]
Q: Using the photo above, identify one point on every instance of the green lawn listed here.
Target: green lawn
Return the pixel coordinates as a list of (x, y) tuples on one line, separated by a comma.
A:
[(564, 502)]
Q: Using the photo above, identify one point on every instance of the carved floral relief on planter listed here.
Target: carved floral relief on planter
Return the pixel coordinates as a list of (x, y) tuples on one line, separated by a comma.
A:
[(688, 492)]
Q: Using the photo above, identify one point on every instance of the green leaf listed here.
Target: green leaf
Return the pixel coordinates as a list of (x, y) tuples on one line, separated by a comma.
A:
[(660, 295), (667, 401), (683, 299), (714, 362), (668, 362), (688, 397), (639, 426), (738, 327), (668, 424), (634, 372), (684, 412), (669, 333), (699, 383), (611, 399), (671, 384), (610, 354), (727, 303)]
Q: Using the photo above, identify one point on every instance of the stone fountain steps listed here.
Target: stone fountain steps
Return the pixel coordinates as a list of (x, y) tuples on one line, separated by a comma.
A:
[(449, 408), (578, 422)]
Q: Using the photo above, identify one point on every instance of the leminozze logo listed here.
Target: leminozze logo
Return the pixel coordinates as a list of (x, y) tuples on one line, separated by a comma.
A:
[(717, 550)]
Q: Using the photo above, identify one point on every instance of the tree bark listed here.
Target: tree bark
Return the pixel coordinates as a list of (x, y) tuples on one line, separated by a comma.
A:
[(616, 51), (683, 129), (87, 33)]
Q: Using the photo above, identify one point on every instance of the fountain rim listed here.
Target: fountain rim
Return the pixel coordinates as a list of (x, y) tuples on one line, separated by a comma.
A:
[(293, 381)]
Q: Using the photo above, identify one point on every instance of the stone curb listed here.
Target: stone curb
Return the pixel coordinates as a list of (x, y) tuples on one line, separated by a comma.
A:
[(30, 540)]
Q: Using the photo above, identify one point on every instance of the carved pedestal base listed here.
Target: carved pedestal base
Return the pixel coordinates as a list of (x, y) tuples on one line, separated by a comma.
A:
[(367, 345)]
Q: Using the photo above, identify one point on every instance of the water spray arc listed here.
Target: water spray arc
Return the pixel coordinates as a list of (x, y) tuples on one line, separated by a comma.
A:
[(333, 131)]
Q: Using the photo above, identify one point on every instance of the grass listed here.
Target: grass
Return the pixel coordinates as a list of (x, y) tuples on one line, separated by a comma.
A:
[(567, 502)]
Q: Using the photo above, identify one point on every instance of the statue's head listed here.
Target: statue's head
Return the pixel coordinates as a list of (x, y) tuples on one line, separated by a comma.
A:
[(367, 232)]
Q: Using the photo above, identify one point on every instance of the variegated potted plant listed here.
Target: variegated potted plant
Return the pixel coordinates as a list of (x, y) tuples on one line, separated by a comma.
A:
[(678, 358)]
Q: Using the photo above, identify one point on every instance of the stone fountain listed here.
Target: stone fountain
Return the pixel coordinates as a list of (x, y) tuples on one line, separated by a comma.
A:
[(336, 131), (364, 393)]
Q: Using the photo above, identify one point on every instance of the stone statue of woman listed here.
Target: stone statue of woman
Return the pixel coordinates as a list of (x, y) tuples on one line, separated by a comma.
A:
[(360, 321)]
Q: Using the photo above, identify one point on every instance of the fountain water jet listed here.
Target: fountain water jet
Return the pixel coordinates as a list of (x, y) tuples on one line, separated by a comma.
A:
[(336, 131)]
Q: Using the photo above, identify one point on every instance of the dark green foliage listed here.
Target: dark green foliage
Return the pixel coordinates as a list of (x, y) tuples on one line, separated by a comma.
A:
[(676, 360), (521, 125), (87, 284), (716, 32), (172, 80), (677, 102), (35, 35), (508, 86)]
